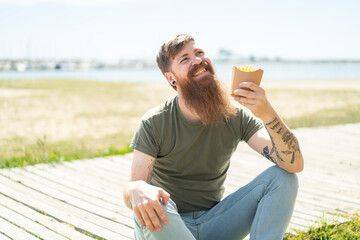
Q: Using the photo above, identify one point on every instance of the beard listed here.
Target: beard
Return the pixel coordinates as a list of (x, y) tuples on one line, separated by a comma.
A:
[(206, 96)]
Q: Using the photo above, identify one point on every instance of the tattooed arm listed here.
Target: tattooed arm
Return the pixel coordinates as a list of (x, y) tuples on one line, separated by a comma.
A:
[(275, 142), (278, 144), (142, 197)]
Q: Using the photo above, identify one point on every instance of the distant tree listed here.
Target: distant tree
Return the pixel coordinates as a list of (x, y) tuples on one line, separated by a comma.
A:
[(252, 58), (224, 55)]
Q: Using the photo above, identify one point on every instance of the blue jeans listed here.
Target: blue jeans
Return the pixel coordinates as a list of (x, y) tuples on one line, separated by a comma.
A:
[(262, 208)]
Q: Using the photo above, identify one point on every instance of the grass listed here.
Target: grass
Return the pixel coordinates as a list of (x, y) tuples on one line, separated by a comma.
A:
[(41, 153), (349, 230), (326, 117), (44, 121)]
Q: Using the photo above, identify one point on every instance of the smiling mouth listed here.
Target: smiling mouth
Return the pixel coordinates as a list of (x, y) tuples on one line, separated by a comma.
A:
[(200, 72)]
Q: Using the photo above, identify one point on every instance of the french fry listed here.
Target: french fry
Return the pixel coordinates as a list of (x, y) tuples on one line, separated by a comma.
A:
[(246, 68)]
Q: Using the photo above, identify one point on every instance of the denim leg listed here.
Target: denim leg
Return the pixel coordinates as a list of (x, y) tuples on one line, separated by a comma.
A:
[(263, 207), (276, 207), (175, 229)]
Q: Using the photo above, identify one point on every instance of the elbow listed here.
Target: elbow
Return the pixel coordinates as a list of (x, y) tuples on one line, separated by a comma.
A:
[(298, 167)]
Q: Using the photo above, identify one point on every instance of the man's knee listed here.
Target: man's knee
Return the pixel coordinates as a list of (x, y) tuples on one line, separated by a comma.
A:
[(175, 229), (170, 211), (287, 181)]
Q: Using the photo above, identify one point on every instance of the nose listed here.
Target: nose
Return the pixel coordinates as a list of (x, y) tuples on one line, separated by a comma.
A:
[(197, 60)]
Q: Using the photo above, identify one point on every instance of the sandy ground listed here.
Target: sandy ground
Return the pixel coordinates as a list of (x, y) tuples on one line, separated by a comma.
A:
[(293, 99), (56, 115), (27, 115)]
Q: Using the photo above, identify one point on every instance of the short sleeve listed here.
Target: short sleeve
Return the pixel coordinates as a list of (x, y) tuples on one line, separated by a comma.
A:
[(144, 139), (249, 124)]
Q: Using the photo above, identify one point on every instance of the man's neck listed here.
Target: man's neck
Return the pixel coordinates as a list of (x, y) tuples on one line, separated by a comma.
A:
[(187, 112)]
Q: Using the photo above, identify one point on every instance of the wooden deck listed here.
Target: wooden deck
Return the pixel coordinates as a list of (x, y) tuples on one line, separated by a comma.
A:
[(83, 199)]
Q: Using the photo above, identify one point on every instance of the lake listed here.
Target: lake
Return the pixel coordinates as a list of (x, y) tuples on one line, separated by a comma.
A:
[(272, 71)]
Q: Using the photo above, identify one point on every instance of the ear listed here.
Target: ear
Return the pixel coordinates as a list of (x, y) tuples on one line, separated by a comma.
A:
[(170, 77)]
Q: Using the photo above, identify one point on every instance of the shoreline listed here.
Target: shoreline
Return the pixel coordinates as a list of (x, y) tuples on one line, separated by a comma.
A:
[(163, 80), (273, 72)]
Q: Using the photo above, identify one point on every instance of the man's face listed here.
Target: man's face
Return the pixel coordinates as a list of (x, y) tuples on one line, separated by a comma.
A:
[(191, 64), (198, 85)]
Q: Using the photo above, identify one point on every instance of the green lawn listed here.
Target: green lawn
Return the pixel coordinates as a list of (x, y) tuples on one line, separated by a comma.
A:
[(46, 121), (349, 230)]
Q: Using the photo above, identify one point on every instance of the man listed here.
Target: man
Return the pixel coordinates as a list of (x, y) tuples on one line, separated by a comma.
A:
[(182, 150)]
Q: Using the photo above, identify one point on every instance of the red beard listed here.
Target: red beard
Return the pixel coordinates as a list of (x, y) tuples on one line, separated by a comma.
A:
[(206, 96)]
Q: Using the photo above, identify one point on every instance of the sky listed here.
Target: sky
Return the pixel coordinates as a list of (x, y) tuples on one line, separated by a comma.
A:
[(113, 30)]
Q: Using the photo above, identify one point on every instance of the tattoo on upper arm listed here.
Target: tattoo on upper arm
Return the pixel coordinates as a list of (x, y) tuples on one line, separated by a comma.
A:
[(266, 153)]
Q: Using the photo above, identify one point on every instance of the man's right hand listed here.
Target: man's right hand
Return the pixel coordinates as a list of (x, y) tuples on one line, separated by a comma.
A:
[(145, 200)]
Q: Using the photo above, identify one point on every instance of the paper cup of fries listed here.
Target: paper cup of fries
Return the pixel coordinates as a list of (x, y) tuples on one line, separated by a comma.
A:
[(245, 74)]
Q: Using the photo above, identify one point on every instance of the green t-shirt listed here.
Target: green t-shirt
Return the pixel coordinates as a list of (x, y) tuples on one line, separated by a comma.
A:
[(191, 159)]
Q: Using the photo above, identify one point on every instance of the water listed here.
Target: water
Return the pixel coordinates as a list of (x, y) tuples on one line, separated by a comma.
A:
[(272, 71)]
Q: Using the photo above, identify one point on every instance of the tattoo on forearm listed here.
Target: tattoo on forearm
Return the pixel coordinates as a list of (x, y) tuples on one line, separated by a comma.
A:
[(266, 153), (291, 142), (275, 126), (272, 122), (288, 139), (275, 149)]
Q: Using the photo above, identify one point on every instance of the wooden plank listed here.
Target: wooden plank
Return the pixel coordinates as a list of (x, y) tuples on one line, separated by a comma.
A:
[(330, 182), (99, 173), (4, 237), (110, 182), (316, 177), (31, 226), (112, 166), (316, 204), (85, 178), (62, 228), (75, 197), (100, 208), (318, 216), (80, 218), (323, 184), (81, 186), (14, 232), (93, 172), (329, 195), (316, 164), (84, 193), (81, 179)]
